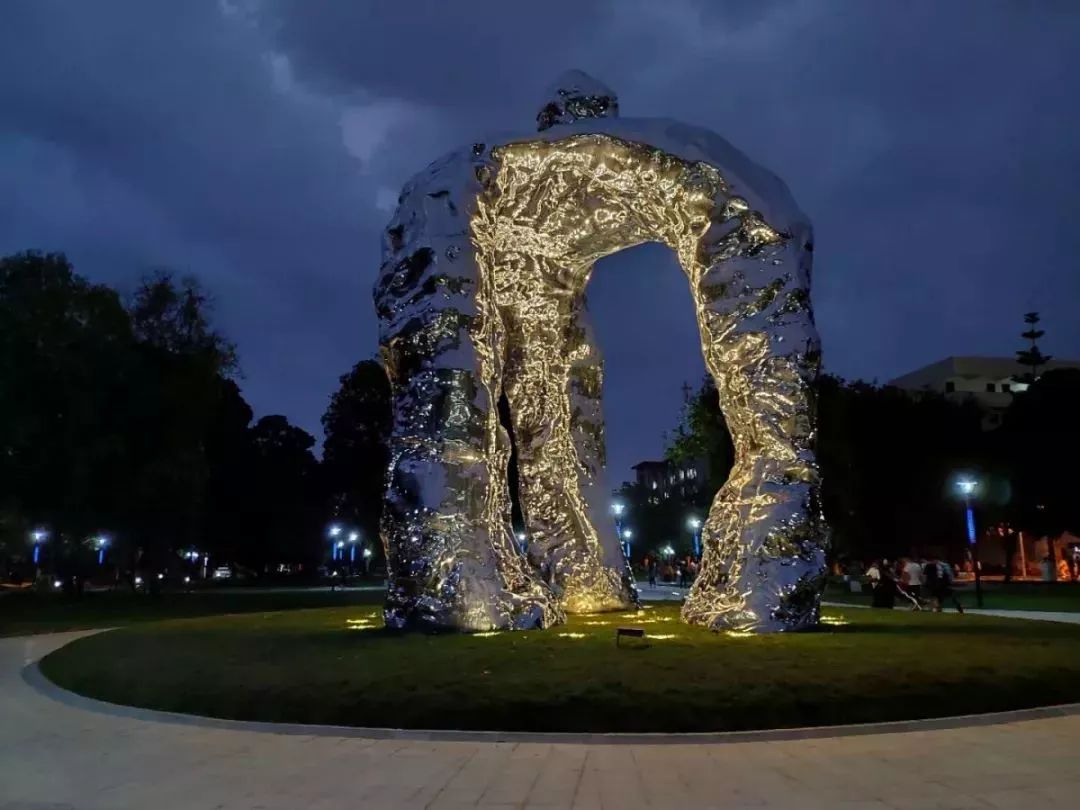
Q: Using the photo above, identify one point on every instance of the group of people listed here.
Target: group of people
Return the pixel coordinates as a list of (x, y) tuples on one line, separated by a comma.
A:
[(672, 570), (921, 583)]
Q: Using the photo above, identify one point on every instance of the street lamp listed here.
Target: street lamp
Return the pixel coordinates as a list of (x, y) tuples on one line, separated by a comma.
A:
[(101, 542), (627, 534), (38, 536), (694, 524), (968, 488), (353, 537), (618, 508), (334, 531)]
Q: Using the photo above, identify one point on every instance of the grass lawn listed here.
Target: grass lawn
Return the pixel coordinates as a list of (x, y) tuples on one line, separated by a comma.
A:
[(338, 666), (27, 613), (1051, 596)]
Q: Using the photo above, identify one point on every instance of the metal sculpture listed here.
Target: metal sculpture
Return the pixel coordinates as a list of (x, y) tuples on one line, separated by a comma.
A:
[(481, 295)]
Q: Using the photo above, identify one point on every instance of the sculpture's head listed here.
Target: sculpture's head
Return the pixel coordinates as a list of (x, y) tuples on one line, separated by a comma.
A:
[(575, 95)]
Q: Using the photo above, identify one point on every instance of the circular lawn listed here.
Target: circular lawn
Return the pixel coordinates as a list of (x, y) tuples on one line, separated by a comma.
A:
[(338, 666)]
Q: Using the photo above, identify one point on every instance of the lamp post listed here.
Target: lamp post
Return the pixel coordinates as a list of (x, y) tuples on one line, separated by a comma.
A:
[(334, 531), (694, 524), (618, 509), (627, 535), (353, 537), (101, 542), (967, 488), (38, 536)]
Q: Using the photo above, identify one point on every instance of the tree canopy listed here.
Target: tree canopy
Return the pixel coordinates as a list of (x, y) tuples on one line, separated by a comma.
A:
[(356, 448), (126, 421)]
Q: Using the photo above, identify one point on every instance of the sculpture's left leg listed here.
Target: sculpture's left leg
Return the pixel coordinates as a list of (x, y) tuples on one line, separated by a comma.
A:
[(552, 381), (764, 541), (451, 560)]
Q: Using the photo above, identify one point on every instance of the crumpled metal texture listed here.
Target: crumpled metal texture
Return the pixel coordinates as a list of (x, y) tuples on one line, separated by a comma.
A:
[(574, 96), (452, 560), (481, 291)]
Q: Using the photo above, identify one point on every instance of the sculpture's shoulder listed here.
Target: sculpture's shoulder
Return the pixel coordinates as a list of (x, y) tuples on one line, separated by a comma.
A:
[(763, 190)]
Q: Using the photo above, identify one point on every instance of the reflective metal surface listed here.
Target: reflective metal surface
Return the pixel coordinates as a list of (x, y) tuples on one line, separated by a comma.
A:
[(481, 292)]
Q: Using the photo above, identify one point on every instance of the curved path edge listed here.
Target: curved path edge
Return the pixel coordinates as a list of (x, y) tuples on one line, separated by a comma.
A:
[(36, 679)]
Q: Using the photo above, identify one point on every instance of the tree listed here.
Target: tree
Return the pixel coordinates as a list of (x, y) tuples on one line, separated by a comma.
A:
[(887, 461), (703, 433), (1042, 440), (283, 517), (230, 486), (1031, 356), (105, 411), (356, 449), (67, 365), (182, 361), (888, 464), (173, 317)]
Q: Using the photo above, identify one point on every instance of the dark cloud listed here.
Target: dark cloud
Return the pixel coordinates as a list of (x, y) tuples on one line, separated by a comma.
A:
[(259, 143)]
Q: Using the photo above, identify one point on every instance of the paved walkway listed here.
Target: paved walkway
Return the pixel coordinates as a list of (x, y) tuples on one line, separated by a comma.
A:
[(672, 593), (54, 755), (1033, 615)]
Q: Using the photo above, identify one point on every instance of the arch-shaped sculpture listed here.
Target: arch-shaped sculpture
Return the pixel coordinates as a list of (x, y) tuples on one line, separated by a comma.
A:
[(480, 293)]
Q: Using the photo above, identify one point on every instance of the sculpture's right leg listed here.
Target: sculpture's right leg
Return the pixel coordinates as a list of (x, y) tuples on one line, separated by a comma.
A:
[(451, 560), (764, 564)]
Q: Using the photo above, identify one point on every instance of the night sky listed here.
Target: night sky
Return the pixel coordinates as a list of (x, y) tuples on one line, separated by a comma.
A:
[(262, 145)]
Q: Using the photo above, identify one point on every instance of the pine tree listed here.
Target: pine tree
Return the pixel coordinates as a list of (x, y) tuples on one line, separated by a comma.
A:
[(1031, 356)]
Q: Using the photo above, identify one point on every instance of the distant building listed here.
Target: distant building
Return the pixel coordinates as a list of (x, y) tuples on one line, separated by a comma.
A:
[(663, 479), (988, 381)]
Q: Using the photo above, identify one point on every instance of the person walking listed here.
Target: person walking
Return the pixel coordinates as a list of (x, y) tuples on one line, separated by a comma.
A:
[(883, 584), (939, 580), (653, 565), (912, 578)]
